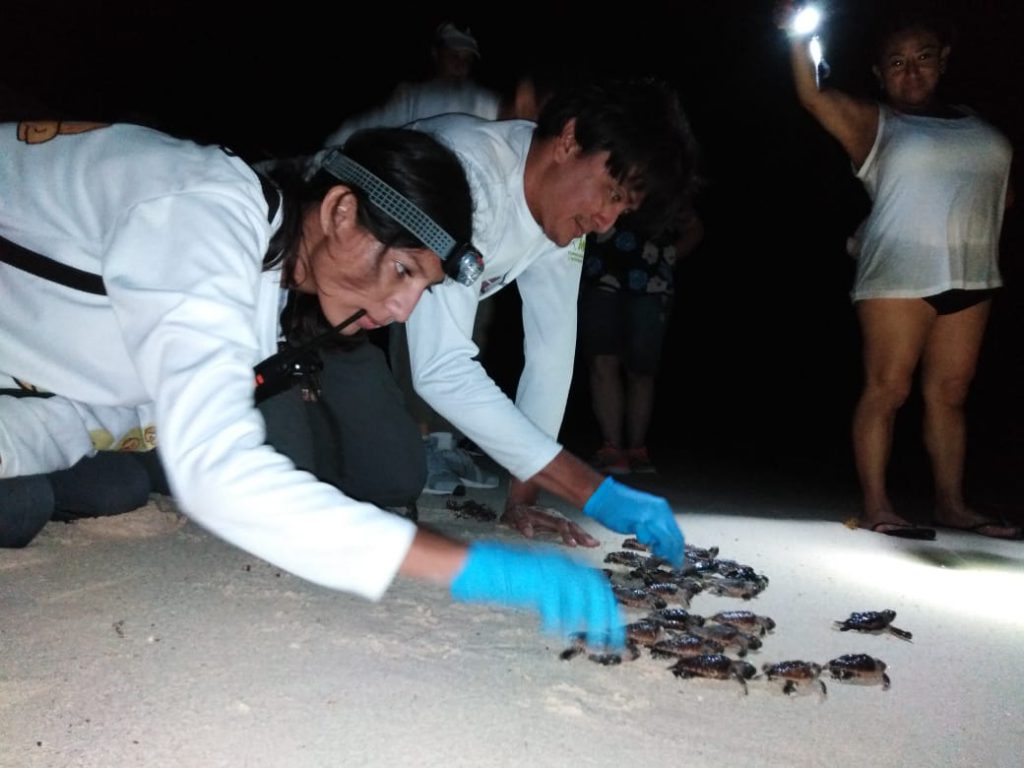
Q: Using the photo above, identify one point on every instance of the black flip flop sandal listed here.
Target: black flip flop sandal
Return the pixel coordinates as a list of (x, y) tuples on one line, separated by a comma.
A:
[(905, 531), (978, 528)]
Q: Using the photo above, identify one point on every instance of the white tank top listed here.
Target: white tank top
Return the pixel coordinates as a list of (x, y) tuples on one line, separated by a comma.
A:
[(938, 187)]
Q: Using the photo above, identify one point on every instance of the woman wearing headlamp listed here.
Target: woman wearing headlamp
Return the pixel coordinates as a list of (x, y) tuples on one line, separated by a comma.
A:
[(143, 279)]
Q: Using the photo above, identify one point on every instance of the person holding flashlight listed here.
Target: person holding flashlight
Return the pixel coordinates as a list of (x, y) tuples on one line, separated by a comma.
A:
[(139, 300), (927, 262)]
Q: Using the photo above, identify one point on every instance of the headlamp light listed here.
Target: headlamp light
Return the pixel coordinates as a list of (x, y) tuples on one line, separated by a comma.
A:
[(461, 261), (464, 264)]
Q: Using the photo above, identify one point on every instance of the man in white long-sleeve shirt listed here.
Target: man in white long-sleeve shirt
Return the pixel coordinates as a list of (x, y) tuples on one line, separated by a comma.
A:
[(452, 89), (594, 153)]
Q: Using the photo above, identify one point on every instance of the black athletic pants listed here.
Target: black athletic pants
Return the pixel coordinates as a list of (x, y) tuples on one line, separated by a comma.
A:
[(358, 437)]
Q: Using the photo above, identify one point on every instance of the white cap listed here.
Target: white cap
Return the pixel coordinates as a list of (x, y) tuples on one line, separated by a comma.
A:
[(450, 36)]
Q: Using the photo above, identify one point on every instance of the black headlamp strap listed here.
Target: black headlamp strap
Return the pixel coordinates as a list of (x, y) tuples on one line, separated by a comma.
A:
[(461, 262), (392, 202)]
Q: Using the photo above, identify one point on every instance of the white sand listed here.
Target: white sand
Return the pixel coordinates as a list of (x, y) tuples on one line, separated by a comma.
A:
[(144, 641)]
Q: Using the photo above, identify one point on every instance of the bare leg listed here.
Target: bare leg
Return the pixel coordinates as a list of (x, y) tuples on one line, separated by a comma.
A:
[(894, 332), (639, 405), (949, 362), (950, 359), (606, 397)]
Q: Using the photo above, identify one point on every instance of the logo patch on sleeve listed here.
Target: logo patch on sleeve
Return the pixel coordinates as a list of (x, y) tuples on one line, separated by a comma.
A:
[(576, 249), (41, 131)]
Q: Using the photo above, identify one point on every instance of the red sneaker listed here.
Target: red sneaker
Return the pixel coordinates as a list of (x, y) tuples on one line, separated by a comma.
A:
[(640, 461), (611, 459)]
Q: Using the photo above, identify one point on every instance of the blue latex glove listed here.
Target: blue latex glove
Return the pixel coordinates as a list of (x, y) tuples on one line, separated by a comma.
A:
[(649, 518), (569, 596)]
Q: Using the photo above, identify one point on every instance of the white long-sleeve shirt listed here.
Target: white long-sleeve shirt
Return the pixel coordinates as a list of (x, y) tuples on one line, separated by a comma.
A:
[(178, 233), (521, 436), (413, 101)]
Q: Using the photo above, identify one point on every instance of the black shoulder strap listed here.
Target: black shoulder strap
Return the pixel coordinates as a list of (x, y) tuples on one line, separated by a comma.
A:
[(271, 194), (49, 269)]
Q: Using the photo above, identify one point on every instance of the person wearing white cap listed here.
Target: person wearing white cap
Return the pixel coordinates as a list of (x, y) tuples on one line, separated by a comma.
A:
[(454, 52)]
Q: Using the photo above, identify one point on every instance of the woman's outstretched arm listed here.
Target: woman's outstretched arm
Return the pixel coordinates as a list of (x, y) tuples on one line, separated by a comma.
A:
[(851, 121)]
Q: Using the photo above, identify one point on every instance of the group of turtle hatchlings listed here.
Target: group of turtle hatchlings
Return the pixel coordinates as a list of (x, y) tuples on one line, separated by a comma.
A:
[(699, 645)]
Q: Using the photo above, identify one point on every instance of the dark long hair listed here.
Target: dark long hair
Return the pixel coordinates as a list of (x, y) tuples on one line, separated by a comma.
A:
[(413, 163), (641, 124)]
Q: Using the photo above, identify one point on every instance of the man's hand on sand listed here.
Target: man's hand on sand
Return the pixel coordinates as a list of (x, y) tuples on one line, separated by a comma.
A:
[(531, 519)]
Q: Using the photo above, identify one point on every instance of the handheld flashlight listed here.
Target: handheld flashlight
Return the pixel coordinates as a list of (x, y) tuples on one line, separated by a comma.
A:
[(806, 22)]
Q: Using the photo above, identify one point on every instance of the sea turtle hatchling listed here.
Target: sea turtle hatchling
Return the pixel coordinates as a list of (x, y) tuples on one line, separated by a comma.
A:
[(730, 569), (716, 666), (699, 553), (660, 587), (728, 636), (795, 674), (860, 669), (747, 621), (680, 646), (645, 632), (692, 552), (472, 510), (688, 585), (668, 592), (632, 559), (874, 622), (637, 598), (678, 619), (734, 587), (578, 645)]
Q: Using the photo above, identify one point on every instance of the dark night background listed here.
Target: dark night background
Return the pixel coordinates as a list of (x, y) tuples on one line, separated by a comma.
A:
[(762, 359)]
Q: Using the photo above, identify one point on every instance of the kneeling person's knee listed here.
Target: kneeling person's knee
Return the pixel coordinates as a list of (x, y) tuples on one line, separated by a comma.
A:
[(104, 484), (26, 505)]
